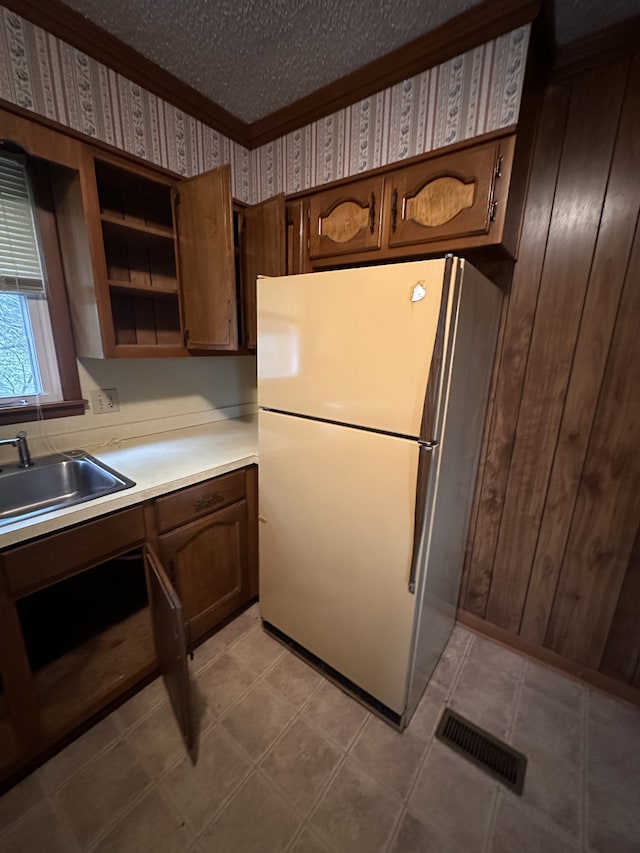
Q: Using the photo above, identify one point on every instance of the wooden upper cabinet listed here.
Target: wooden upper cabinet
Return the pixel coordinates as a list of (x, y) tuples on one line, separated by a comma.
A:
[(448, 200), (264, 252), (204, 214), (159, 266), (346, 219), (448, 197), (117, 237)]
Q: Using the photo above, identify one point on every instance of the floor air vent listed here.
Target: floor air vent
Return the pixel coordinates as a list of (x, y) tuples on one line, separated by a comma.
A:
[(483, 749)]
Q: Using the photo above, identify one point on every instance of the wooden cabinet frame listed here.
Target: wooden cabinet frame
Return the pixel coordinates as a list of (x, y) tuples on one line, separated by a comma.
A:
[(184, 285), (149, 528), (454, 199)]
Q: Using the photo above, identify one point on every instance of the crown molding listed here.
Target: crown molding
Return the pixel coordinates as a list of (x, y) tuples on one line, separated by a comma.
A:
[(480, 24), (616, 42), (78, 31)]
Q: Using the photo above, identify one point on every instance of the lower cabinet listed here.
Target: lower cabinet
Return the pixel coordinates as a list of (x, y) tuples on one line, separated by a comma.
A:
[(207, 561), (89, 613), (205, 543)]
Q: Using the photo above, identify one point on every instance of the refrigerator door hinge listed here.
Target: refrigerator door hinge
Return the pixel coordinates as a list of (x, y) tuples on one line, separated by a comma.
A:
[(429, 445)]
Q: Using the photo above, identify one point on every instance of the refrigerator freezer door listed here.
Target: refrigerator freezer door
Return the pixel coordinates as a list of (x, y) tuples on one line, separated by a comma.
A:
[(351, 346), (337, 510)]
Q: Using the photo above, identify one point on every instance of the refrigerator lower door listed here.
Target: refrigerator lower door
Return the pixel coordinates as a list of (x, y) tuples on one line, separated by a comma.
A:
[(337, 508)]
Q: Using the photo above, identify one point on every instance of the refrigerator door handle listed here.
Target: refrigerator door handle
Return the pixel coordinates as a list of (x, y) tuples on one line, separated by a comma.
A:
[(424, 464)]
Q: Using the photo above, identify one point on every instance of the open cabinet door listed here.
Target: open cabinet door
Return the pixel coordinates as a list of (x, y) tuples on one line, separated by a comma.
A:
[(171, 646), (204, 217), (264, 252)]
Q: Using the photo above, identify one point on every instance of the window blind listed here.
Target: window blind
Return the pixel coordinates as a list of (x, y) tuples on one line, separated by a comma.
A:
[(20, 269)]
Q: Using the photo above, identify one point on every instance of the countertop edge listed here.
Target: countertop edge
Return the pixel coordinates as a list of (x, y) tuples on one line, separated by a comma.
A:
[(213, 450)]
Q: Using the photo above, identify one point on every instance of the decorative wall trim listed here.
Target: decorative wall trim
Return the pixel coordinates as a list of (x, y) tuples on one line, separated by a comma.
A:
[(464, 97), (467, 96), (42, 74), (476, 26), (79, 32)]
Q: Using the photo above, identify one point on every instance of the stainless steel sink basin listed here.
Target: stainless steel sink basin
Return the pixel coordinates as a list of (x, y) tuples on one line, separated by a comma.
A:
[(55, 482)]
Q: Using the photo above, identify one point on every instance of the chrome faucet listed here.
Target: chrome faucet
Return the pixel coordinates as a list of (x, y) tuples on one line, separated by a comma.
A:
[(20, 441)]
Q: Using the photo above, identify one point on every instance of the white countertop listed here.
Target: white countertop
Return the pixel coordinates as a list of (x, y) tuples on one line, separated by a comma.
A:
[(157, 464)]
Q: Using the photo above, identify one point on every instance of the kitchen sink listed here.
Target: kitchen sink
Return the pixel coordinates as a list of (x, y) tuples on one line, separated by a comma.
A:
[(55, 482)]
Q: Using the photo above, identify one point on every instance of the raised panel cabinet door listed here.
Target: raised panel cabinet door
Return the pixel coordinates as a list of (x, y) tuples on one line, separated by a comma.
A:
[(171, 646), (206, 262), (447, 197), (346, 219), (209, 560), (264, 252)]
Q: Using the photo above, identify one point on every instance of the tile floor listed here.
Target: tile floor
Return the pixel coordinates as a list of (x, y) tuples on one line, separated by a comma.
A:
[(287, 762)]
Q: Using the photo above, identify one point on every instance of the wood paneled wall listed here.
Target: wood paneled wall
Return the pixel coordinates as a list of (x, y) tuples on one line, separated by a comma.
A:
[(553, 557)]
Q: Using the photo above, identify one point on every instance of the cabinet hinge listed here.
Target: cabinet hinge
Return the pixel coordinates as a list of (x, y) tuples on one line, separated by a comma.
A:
[(492, 211), (498, 171), (176, 198), (185, 335)]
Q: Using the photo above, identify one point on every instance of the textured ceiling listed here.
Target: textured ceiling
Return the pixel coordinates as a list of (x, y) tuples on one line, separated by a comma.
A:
[(253, 57)]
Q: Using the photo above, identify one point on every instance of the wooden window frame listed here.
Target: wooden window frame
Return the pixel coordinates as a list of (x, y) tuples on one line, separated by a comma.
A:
[(44, 214)]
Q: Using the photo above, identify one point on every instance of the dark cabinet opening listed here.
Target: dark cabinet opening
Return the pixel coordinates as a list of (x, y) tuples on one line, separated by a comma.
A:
[(59, 618), (87, 637)]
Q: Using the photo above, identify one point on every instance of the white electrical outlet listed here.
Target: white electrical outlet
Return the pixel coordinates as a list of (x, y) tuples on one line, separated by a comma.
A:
[(104, 400)]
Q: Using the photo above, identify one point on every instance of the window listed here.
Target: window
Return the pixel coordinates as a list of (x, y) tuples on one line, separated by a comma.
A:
[(38, 374)]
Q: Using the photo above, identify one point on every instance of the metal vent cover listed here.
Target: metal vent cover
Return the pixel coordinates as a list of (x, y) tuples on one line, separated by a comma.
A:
[(486, 751)]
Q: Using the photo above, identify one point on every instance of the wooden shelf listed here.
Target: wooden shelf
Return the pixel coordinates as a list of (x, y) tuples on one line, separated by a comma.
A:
[(129, 231), (149, 351), (76, 685), (166, 289)]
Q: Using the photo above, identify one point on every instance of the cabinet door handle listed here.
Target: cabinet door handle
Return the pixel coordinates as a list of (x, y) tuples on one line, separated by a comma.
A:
[(209, 500), (394, 210), (372, 213)]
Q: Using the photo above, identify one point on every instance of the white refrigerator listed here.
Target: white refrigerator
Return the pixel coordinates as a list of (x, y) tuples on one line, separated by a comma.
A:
[(372, 391)]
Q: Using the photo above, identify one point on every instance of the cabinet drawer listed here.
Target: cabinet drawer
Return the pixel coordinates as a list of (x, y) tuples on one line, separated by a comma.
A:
[(195, 501), (36, 564)]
